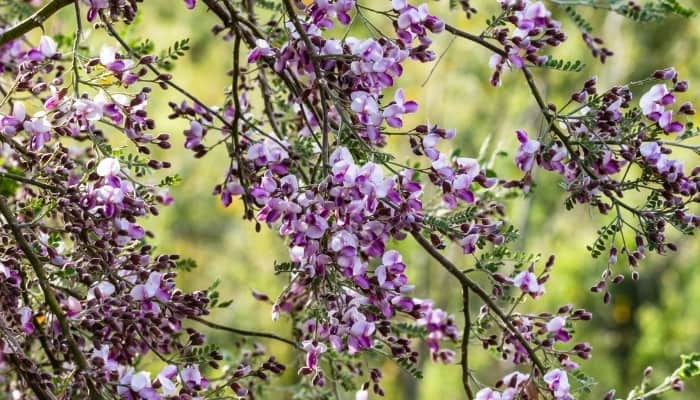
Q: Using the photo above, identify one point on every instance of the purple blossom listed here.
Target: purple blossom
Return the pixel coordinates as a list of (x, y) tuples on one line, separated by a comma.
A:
[(108, 167), (73, 306), (366, 107), (47, 49), (488, 394), (525, 157), (108, 58), (400, 107), (192, 378), (26, 319), (558, 384), (324, 9), (313, 352), (261, 49), (11, 124), (527, 282), (557, 326), (39, 128), (95, 7), (194, 135), (653, 104)]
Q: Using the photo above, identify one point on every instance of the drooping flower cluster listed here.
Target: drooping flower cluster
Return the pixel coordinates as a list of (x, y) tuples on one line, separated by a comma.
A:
[(606, 138), (311, 164), (534, 30), (115, 300)]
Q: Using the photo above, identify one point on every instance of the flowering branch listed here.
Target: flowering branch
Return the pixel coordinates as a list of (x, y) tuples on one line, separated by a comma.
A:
[(49, 296), (320, 80), (474, 287), (313, 164)]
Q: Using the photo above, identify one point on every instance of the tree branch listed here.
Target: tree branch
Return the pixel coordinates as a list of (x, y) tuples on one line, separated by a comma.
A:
[(35, 21), (542, 105), (243, 332), (474, 287), (49, 296), (323, 88), (465, 343), (30, 181)]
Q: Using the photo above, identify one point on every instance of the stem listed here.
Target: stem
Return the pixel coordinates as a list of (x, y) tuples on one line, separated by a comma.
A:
[(36, 20), (465, 343), (38, 391), (19, 178), (49, 296), (323, 89), (244, 332), (466, 282), (76, 46), (542, 105)]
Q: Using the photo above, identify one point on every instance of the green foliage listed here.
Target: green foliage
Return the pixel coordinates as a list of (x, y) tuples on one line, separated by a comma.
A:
[(691, 131), (15, 10), (167, 57), (314, 392), (439, 224), (410, 367), (604, 234), (652, 11), (578, 19), (174, 52), (186, 264), (411, 330), (565, 66), (145, 47), (690, 366), (8, 186), (283, 267), (271, 5), (214, 295), (64, 41), (200, 355), (170, 180), (585, 382)]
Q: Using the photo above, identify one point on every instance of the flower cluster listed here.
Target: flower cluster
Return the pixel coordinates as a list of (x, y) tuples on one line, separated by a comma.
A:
[(606, 137), (534, 29), (84, 297)]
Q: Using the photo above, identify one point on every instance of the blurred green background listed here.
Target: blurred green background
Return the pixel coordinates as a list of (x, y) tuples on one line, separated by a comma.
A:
[(650, 322)]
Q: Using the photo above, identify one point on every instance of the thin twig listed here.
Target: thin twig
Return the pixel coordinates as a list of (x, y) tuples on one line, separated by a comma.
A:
[(465, 343), (244, 332), (36, 20), (19, 178), (479, 291), (320, 80)]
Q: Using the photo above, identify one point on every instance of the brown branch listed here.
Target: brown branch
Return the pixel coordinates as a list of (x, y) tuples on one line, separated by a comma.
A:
[(551, 119), (465, 343), (244, 332), (38, 390), (19, 367), (36, 20), (474, 287), (30, 181), (323, 88), (49, 296)]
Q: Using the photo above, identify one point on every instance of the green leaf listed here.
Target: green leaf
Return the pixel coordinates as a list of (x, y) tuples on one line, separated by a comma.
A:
[(8, 187), (690, 365)]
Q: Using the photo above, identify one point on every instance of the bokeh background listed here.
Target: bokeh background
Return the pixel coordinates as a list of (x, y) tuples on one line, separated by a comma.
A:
[(650, 322)]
